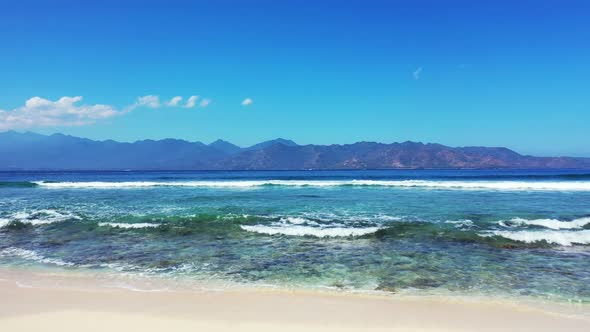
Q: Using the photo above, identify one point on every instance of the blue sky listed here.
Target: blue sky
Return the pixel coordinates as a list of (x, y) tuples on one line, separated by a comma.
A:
[(499, 73)]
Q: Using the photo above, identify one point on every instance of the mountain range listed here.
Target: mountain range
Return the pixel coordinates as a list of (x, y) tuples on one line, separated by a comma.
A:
[(31, 151)]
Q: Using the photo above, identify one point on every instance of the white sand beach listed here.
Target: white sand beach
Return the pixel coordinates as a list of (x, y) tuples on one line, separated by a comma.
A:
[(85, 307)]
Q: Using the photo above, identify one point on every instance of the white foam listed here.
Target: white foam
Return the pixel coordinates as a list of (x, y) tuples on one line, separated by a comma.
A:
[(298, 230), (485, 185), (298, 221), (564, 238), (385, 217), (32, 255), (38, 217), (347, 216), (119, 267), (457, 185), (552, 223), (460, 223), (127, 225)]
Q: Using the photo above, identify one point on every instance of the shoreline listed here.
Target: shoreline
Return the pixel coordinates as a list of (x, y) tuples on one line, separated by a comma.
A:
[(85, 304)]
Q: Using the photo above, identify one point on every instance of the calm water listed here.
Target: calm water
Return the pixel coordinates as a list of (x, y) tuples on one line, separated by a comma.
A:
[(514, 233)]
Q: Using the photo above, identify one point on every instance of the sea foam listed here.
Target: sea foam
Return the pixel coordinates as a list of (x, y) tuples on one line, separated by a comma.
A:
[(32, 255), (298, 221), (297, 230), (426, 184), (128, 225)]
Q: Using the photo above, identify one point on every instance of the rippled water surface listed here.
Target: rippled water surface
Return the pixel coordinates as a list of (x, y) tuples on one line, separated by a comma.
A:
[(518, 233)]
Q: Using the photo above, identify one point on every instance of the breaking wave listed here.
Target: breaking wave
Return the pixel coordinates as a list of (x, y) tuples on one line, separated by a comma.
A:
[(512, 233), (549, 223), (427, 184), (563, 238), (304, 226), (17, 184), (37, 217), (557, 232)]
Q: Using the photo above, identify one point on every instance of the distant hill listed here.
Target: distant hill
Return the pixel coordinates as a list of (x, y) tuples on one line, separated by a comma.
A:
[(30, 151)]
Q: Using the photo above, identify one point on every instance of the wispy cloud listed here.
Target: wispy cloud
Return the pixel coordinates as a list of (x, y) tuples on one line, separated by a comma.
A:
[(150, 101), (191, 102), (417, 73), (153, 101), (40, 112), (204, 103), (174, 101), (247, 101)]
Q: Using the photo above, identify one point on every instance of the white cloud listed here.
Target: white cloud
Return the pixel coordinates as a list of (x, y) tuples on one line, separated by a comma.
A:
[(191, 101), (174, 101), (150, 101), (40, 112), (417, 73), (205, 103), (247, 101)]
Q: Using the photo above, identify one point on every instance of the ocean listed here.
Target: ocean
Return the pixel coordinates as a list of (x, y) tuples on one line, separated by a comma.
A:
[(509, 233)]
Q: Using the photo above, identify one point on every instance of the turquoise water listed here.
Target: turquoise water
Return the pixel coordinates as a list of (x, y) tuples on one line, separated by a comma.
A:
[(507, 233)]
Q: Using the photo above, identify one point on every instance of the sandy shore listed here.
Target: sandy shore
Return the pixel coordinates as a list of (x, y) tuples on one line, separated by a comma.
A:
[(45, 308)]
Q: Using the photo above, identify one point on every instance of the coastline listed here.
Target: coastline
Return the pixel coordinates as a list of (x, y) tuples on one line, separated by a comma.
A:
[(86, 305)]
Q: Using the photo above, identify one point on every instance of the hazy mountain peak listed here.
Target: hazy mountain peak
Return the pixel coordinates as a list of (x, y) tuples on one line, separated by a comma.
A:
[(225, 146), (268, 143), (283, 141)]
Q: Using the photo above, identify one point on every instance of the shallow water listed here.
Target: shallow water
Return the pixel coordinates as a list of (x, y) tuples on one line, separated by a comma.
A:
[(513, 233)]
